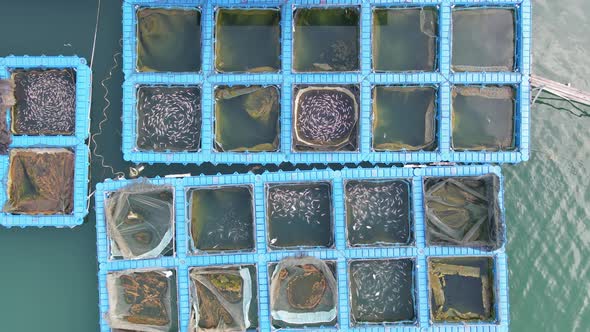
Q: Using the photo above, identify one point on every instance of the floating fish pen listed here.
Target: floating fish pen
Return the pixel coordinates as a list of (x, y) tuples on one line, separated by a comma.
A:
[(357, 249), (385, 81), (43, 155)]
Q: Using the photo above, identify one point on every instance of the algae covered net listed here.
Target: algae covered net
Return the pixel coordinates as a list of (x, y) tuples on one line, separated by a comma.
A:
[(463, 211), (40, 181), (326, 39), (483, 39), (299, 215), (143, 300), (382, 291), (222, 218), (404, 118), (247, 40), (140, 220), (404, 39), (461, 289), (45, 102), (247, 118), (303, 291), (6, 101), (483, 118), (168, 118), (326, 118), (378, 212), (168, 40), (223, 298)]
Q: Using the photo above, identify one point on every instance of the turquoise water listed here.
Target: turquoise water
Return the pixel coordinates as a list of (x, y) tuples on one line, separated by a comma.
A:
[(48, 280)]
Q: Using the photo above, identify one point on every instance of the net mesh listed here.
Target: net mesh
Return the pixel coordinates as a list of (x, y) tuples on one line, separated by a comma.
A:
[(40, 181), (6, 101), (140, 220)]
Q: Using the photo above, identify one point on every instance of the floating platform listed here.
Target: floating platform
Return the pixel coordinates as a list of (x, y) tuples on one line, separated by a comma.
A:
[(443, 78), (74, 142), (341, 253)]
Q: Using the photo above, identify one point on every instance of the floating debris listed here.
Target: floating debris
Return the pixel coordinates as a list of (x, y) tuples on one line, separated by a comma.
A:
[(483, 118), (326, 119), (326, 39), (247, 118), (404, 118), (6, 101), (378, 212), (222, 218), (404, 39), (303, 291), (463, 211), (45, 102), (223, 298), (488, 34), (142, 300), (40, 181), (247, 40), (168, 40), (382, 291), (461, 289), (140, 221), (299, 215), (168, 118)]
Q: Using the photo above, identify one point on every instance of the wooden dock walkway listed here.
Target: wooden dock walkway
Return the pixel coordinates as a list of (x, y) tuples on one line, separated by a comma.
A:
[(561, 90)]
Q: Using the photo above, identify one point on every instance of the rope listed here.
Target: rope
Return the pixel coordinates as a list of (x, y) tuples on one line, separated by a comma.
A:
[(95, 34)]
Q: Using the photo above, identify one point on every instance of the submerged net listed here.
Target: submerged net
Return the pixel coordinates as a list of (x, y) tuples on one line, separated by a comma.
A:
[(404, 39), (142, 300), (247, 118), (483, 118), (40, 181), (461, 289), (168, 118), (222, 218), (378, 212), (168, 40), (299, 215), (45, 102), (221, 299), (382, 291), (326, 119), (140, 220), (483, 39), (303, 291), (6, 101), (463, 211)]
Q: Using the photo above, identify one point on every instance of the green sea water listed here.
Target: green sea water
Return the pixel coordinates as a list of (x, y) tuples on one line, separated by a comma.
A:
[(48, 280)]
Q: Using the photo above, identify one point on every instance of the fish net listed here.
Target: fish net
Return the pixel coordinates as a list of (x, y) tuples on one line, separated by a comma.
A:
[(404, 39), (6, 101), (45, 102), (168, 40), (222, 298), (326, 39), (404, 118), (299, 215), (461, 289), (140, 220), (463, 211), (483, 118), (168, 118), (382, 291), (142, 300), (247, 118), (483, 39), (378, 212), (326, 119), (303, 291), (40, 181), (222, 219)]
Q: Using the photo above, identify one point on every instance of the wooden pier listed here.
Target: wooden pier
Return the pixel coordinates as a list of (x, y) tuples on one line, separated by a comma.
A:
[(561, 90)]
